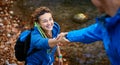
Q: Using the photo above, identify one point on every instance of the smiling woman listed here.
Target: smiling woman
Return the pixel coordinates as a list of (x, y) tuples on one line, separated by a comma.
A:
[(43, 38), (46, 21)]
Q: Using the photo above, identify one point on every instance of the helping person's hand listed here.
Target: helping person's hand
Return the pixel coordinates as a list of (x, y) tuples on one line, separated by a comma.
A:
[(61, 37)]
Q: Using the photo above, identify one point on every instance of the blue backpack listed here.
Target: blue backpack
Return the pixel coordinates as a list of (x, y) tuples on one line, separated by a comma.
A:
[(22, 45)]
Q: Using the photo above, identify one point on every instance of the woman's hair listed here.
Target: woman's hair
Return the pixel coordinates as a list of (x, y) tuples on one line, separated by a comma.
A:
[(38, 12)]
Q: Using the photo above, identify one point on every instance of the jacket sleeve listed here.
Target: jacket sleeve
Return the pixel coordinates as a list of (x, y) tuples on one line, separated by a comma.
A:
[(86, 35), (38, 42)]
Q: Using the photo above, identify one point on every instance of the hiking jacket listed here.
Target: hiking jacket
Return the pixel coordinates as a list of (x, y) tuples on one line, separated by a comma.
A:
[(106, 29), (44, 54)]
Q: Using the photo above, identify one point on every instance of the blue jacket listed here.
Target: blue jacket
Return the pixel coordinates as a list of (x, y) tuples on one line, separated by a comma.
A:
[(106, 29), (42, 56)]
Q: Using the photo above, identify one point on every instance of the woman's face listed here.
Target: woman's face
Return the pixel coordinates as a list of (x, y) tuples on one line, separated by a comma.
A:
[(46, 21)]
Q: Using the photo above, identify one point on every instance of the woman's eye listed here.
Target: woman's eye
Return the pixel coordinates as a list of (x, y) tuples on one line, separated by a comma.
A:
[(44, 20), (50, 19)]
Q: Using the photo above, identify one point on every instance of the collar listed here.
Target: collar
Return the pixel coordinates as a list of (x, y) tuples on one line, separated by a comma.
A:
[(109, 21)]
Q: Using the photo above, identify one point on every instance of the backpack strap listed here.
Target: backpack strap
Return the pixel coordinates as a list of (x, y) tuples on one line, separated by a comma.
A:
[(29, 38), (42, 33), (40, 30)]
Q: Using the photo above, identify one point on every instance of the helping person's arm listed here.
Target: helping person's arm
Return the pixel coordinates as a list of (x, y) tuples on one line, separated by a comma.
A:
[(85, 35)]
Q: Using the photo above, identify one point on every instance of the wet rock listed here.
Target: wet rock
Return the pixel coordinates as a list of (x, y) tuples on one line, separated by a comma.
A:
[(80, 18)]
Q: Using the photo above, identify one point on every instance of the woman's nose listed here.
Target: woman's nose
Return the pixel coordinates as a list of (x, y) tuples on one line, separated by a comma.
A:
[(49, 22)]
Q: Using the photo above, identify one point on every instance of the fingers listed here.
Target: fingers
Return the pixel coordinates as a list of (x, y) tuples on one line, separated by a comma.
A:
[(58, 37), (66, 40), (62, 35), (60, 61), (62, 39), (63, 42), (60, 44)]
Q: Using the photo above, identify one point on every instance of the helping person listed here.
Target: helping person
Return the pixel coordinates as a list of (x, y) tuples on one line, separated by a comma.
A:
[(106, 29)]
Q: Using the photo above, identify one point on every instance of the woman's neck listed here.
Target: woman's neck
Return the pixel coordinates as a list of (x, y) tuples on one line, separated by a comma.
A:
[(48, 34)]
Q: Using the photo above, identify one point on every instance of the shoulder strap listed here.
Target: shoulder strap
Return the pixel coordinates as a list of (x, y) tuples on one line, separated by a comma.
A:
[(34, 50), (40, 30)]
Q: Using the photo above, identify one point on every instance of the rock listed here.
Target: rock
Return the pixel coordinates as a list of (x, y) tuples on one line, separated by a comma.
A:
[(80, 18)]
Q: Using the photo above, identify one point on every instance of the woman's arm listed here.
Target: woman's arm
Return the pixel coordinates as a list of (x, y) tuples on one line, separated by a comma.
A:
[(59, 55), (53, 42), (39, 42)]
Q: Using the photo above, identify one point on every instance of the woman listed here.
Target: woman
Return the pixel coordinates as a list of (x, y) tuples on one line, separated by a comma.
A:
[(43, 38)]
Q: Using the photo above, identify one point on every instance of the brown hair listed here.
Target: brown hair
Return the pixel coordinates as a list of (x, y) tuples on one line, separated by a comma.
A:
[(38, 12)]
